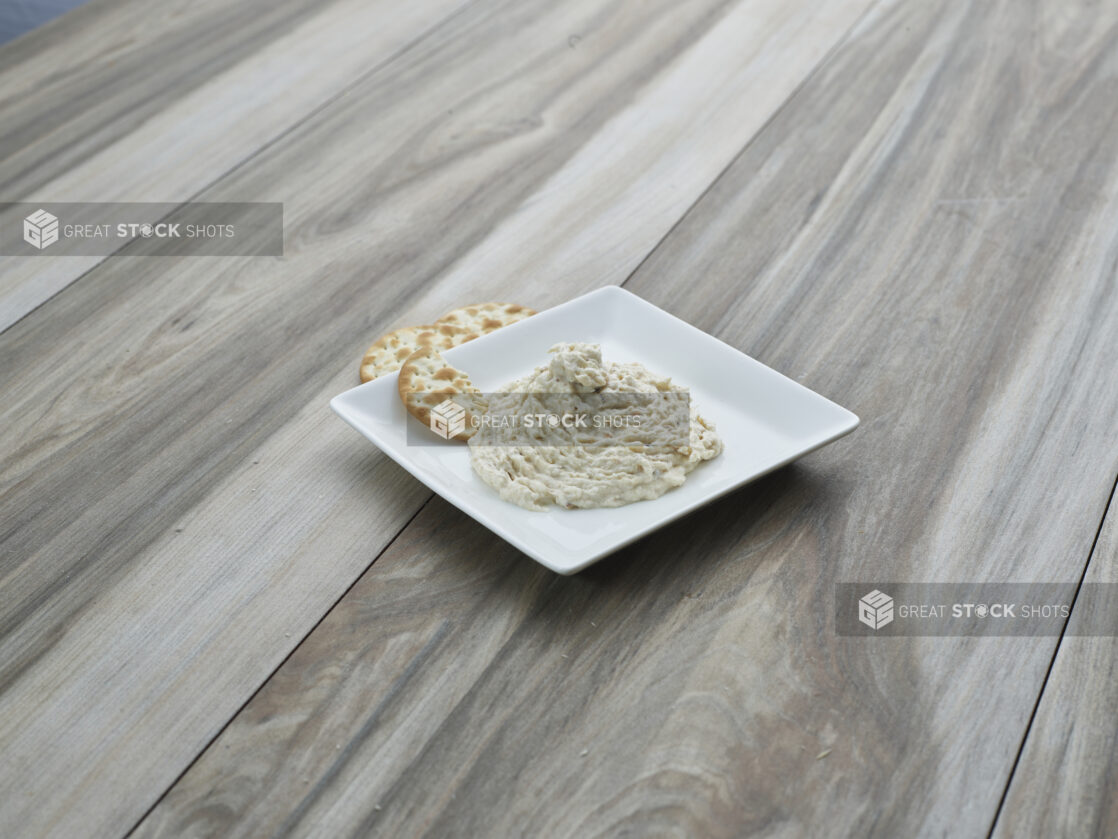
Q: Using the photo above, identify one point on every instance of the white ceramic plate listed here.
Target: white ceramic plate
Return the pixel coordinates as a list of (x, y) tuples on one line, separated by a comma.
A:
[(765, 419)]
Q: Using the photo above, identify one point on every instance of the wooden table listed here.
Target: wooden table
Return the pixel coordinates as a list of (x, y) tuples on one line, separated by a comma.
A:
[(222, 613)]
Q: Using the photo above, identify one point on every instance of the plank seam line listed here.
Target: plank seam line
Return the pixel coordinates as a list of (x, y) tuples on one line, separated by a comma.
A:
[(1051, 663), (325, 614), (311, 114), (823, 59)]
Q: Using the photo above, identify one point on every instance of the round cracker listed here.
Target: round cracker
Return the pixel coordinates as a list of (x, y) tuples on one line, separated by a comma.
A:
[(390, 351), (486, 317), (426, 381)]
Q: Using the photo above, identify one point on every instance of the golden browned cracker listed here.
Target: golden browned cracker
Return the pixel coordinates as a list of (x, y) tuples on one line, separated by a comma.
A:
[(426, 380), (390, 351), (486, 317)]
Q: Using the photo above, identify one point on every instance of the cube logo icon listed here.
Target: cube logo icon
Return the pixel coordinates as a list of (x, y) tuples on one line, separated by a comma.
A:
[(448, 419), (875, 610), (40, 229)]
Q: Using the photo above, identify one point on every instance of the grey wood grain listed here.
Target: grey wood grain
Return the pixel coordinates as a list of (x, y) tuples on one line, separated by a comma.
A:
[(1065, 782), (179, 504), (71, 89), (115, 102), (925, 232)]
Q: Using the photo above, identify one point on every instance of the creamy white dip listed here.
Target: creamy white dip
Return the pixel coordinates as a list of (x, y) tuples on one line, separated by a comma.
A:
[(591, 465)]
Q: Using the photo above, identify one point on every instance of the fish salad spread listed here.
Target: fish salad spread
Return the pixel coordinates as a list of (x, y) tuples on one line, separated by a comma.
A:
[(579, 432)]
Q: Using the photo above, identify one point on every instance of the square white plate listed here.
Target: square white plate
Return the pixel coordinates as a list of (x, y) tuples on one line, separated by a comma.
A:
[(765, 419)]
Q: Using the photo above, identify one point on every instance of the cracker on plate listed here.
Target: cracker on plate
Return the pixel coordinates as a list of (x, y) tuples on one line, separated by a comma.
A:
[(486, 317), (390, 351), (426, 381)]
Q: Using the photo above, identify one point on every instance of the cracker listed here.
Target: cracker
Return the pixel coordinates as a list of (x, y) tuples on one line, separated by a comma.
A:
[(426, 381), (486, 317), (390, 351)]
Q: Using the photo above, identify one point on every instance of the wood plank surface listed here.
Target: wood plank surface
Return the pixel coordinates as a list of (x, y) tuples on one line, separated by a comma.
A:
[(1067, 778), (179, 506), (115, 103), (925, 232)]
